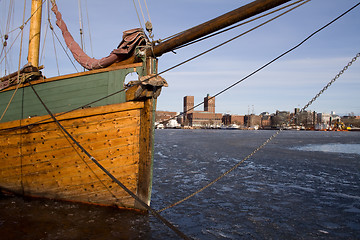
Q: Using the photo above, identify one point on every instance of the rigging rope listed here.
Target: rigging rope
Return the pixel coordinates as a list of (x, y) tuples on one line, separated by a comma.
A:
[(268, 140), (81, 29), (22, 27), (12, 44), (230, 28), (246, 22), (148, 24), (88, 23), (230, 40), (137, 13), (142, 13), (55, 52), (147, 10), (45, 35), (3, 50), (150, 209), (81, 26), (19, 67), (53, 37), (24, 23), (6, 35), (62, 46)]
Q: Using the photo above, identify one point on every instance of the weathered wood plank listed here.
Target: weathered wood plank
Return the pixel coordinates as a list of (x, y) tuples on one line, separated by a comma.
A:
[(44, 148), (104, 191), (124, 123), (71, 161), (40, 142), (41, 161), (69, 155), (74, 114), (78, 177), (146, 143)]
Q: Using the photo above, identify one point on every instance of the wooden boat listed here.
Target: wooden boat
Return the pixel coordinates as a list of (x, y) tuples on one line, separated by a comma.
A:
[(38, 159)]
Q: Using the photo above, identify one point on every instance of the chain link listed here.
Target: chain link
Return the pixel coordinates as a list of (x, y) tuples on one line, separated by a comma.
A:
[(331, 82), (267, 141)]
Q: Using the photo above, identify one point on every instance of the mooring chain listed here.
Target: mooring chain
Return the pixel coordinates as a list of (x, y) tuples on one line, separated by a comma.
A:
[(332, 81), (222, 175), (268, 140)]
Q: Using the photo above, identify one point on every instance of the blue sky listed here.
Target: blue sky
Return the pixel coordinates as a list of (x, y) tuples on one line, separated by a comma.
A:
[(288, 83)]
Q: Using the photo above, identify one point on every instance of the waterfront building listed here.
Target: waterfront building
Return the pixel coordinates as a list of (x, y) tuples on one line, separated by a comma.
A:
[(253, 121), (164, 116), (229, 119), (201, 119), (265, 121), (326, 120), (307, 119), (280, 118), (209, 104), (210, 119)]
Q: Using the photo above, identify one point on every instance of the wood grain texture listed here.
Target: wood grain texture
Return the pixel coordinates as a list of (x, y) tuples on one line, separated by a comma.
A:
[(41, 161)]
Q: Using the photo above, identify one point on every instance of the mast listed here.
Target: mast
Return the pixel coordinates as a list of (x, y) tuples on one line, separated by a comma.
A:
[(34, 37), (215, 24)]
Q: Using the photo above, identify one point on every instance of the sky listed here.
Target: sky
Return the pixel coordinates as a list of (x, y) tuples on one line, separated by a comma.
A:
[(290, 82)]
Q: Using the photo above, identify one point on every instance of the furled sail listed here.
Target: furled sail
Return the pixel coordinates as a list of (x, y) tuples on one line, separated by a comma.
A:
[(131, 39)]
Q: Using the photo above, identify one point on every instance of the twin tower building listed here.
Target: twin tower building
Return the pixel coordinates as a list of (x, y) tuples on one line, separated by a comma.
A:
[(206, 118)]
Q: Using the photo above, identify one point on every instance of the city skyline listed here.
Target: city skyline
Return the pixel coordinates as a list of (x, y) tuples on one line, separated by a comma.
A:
[(251, 109)]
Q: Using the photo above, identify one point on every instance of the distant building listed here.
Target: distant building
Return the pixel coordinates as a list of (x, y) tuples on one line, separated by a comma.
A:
[(253, 121), (233, 119), (201, 119), (188, 104), (325, 120), (308, 119), (164, 116), (265, 120), (204, 119), (209, 104), (351, 121), (280, 118)]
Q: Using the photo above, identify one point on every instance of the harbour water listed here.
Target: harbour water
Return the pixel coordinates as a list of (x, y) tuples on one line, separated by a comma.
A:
[(302, 185)]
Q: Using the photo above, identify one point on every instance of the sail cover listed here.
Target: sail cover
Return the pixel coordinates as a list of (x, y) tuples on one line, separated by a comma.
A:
[(131, 39)]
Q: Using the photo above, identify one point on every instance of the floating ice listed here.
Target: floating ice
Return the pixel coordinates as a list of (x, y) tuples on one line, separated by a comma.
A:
[(331, 147)]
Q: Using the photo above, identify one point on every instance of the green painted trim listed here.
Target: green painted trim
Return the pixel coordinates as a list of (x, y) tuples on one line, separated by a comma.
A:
[(66, 94)]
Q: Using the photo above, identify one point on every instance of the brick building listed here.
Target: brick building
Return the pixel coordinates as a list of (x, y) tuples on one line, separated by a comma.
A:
[(164, 116), (265, 121), (207, 118), (209, 104), (253, 121), (188, 104), (233, 119)]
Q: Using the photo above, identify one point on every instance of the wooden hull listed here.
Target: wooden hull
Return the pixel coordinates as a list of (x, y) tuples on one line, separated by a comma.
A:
[(41, 161)]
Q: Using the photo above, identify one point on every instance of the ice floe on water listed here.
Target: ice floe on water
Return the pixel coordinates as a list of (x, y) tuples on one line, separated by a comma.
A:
[(331, 148)]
